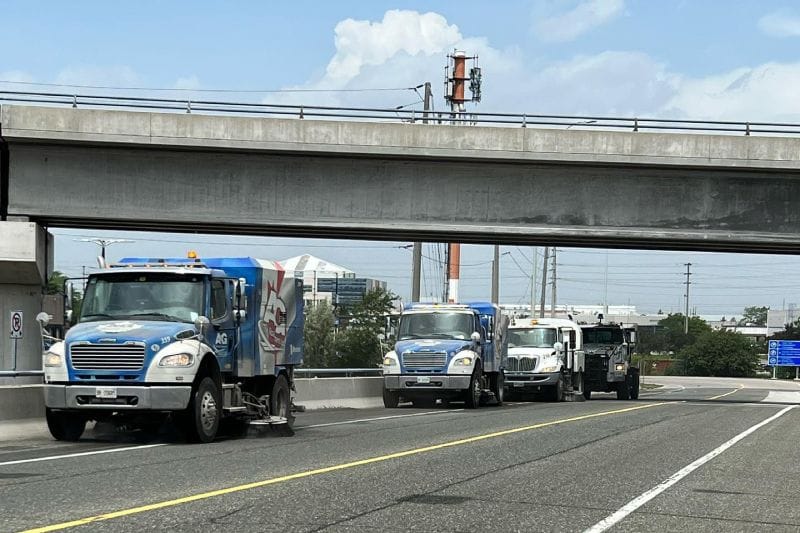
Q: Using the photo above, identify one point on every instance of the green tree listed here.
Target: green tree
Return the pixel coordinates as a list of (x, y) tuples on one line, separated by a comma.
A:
[(754, 315), (318, 336), (670, 336), (721, 353), (55, 284), (358, 344)]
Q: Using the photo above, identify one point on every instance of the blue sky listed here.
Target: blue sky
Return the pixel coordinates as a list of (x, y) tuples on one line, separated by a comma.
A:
[(699, 59)]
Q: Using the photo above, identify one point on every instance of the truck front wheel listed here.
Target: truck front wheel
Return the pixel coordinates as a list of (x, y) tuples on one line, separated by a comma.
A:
[(473, 393), (391, 398), (65, 426), (624, 389), (201, 419), (557, 391), (634, 385)]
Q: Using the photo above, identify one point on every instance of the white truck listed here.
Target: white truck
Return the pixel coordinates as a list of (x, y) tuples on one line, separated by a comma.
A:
[(545, 355)]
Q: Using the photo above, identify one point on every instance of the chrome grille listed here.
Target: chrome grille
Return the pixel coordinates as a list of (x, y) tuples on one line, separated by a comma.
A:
[(107, 356), (424, 359), (522, 364)]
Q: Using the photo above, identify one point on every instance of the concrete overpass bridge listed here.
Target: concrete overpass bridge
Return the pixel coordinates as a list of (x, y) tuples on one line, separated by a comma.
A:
[(168, 171)]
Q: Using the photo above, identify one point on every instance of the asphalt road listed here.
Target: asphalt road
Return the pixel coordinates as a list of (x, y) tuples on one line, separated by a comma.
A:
[(696, 455)]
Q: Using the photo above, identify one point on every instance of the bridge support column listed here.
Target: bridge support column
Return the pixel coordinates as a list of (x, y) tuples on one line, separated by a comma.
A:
[(26, 258)]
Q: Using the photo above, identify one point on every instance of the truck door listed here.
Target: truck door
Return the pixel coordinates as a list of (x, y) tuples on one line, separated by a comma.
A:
[(223, 333)]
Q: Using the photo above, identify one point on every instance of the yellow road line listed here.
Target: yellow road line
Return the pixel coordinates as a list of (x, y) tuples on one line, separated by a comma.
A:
[(726, 394), (325, 470)]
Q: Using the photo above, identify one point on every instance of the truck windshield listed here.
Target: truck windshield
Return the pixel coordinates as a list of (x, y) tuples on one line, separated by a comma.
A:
[(436, 326), (602, 336), (532, 338), (157, 296)]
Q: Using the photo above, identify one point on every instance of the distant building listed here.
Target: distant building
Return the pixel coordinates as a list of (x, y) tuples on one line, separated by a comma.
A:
[(329, 282)]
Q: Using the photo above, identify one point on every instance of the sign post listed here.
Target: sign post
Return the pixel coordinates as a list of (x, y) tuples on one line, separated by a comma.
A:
[(16, 334), (784, 353)]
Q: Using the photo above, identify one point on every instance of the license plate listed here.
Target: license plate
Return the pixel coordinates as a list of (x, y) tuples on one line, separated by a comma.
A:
[(105, 392), (423, 379)]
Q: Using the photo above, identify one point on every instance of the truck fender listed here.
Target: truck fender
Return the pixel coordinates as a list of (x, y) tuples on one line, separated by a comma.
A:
[(209, 367)]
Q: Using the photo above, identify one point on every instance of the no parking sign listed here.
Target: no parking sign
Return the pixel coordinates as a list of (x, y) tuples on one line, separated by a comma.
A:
[(16, 324)]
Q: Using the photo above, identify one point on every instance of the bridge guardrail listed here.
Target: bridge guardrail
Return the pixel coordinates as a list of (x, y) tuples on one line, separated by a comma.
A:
[(337, 372), (401, 114)]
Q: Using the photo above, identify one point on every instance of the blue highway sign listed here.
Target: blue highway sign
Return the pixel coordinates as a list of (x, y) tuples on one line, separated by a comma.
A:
[(784, 353)]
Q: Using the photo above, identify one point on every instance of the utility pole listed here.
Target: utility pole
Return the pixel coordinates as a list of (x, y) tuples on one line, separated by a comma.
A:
[(427, 100), (416, 259), (553, 290), (416, 269), (496, 275), (544, 281), (103, 243), (605, 289), (533, 284), (687, 283)]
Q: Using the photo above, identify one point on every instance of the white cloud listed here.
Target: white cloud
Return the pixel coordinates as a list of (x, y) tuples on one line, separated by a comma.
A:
[(617, 83), (766, 92), (571, 24), (406, 48), (780, 24), (361, 43)]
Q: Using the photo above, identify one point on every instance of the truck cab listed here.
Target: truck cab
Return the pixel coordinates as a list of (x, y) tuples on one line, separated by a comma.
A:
[(545, 355), (609, 366), (196, 340), (447, 351)]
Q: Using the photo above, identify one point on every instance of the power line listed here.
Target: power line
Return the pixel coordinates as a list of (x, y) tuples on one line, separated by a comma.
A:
[(177, 89)]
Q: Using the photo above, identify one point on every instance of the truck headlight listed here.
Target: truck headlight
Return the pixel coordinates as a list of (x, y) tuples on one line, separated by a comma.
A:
[(177, 360), (619, 367), (52, 359), (463, 361), (389, 361), (548, 369)]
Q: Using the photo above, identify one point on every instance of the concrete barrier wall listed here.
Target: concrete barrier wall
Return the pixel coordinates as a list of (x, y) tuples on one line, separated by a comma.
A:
[(27, 401), (21, 401)]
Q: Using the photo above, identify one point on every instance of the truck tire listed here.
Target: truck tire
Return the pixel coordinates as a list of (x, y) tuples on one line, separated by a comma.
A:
[(624, 389), (65, 426), (498, 387), (556, 392), (635, 384), (280, 401), (472, 396), (391, 398), (201, 419)]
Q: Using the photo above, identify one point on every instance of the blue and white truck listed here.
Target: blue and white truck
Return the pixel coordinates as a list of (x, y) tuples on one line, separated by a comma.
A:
[(447, 352), (197, 340)]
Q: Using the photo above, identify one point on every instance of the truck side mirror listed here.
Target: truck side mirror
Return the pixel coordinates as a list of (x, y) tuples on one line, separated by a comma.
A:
[(475, 337), (201, 324), (68, 295), (43, 319), (239, 300), (632, 337), (558, 347)]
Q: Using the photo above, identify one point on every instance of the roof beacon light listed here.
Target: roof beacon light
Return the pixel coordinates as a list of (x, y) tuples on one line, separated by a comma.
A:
[(192, 254)]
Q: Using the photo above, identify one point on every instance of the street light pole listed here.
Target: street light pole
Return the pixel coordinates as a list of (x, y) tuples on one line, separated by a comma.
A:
[(103, 243)]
